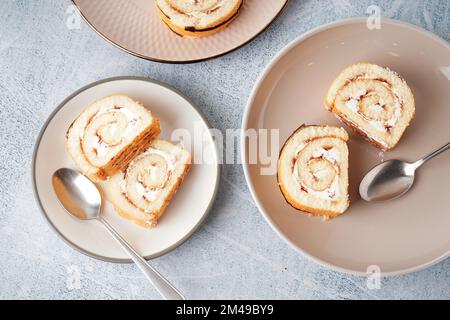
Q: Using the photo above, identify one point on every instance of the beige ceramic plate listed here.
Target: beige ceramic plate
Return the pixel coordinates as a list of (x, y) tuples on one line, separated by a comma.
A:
[(400, 236), (134, 26), (189, 206)]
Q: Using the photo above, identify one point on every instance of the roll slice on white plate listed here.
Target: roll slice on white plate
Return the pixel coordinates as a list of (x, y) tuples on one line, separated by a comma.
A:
[(197, 18), (374, 102), (143, 190), (108, 134), (313, 170)]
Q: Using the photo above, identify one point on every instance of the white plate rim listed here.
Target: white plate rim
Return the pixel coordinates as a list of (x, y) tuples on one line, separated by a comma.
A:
[(36, 148), (244, 126)]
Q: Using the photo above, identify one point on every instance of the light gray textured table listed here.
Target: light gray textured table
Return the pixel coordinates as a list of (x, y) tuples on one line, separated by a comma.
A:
[(234, 254)]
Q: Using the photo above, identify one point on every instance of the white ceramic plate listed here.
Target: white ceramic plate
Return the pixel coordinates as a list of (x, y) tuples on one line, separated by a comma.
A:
[(189, 206), (399, 236)]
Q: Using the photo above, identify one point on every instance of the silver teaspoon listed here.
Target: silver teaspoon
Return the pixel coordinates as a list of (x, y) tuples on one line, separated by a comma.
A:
[(81, 198), (393, 178)]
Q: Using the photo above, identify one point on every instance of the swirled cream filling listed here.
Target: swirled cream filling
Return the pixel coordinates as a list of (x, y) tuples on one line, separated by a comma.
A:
[(333, 157), (100, 146), (353, 104), (148, 193)]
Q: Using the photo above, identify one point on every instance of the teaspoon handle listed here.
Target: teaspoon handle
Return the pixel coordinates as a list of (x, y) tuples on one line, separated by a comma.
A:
[(432, 155), (163, 286)]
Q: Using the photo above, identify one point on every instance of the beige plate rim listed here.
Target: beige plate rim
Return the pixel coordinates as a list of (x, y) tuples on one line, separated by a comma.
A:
[(245, 121), (33, 170), (186, 61)]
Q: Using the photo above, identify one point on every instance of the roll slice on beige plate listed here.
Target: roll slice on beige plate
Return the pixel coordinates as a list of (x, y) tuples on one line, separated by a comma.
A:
[(373, 101), (108, 133), (187, 209), (395, 237), (143, 190), (198, 19), (313, 170), (158, 33)]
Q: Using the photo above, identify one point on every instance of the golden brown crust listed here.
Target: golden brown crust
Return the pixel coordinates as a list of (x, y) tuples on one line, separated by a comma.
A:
[(201, 33), (174, 190), (139, 144)]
